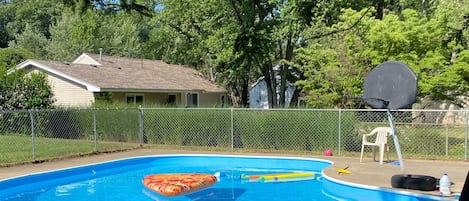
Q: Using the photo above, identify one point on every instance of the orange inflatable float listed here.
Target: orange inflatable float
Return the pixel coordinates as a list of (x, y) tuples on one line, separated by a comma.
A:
[(178, 184)]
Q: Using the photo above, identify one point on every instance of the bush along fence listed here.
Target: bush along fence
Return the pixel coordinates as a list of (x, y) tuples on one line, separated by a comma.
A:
[(35, 135)]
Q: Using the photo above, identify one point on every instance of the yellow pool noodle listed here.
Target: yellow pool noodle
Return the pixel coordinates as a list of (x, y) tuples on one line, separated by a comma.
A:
[(287, 175)]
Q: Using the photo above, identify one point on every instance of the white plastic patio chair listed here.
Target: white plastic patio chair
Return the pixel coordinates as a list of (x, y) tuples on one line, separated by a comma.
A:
[(381, 141)]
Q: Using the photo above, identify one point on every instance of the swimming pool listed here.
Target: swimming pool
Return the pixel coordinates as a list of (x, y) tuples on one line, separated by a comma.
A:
[(122, 180)]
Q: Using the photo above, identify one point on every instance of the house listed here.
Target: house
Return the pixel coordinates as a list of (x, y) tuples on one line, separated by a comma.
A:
[(258, 94), (91, 77), (444, 112)]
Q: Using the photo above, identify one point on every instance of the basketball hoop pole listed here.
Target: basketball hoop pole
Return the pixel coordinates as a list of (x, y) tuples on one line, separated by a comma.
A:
[(396, 141), (395, 85), (393, 129)]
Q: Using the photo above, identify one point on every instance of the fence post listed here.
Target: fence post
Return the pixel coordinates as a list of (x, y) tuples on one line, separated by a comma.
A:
[(340, 131), (95, 133), (446, 141), (31, 115), (140, 124), (467, 134), (232, 130)]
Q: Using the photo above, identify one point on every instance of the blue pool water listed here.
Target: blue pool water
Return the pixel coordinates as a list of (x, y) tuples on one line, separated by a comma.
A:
[(122, 180)]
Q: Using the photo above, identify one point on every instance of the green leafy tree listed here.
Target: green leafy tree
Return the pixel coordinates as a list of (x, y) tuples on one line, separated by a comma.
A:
[(202, 34), (337, 70), (73, 35), (37, 91), (10, 57), (93, 30), (326, 47), (124, 40), (334, 64), (33, 40), (8, 15), (185, 25), (20, 91), (424, 45), (37, 14), (143, 7), (241, 40)]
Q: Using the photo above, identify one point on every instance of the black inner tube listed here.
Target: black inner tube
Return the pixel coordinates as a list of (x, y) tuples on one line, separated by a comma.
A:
[(414, 182)]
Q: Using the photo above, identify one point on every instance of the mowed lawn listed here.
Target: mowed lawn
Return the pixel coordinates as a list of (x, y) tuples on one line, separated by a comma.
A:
[(19, 149)]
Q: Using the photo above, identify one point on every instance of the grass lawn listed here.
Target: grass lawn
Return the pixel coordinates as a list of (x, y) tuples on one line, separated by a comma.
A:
[(416, 142), (19, 149)]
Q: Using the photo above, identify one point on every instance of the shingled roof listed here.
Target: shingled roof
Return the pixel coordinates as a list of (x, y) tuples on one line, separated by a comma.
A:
[(107, 73)]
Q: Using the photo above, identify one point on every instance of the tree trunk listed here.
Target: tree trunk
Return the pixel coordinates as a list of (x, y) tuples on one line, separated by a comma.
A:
[(283, 85), (244, 92), (235, 96), (284, 71), (239, 94), (269, 79), (379, 4), (295, 98)]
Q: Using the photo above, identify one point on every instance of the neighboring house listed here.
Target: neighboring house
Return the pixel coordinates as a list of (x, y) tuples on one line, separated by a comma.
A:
[(444, 112), (91, 77), (258, 94)]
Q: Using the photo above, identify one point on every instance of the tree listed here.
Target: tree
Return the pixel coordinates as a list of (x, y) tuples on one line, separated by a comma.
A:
[(203, 34), (325, 47), (10, 57), (143, 7), (179, 31), (254, 43), (92, 30), (124, 40), (405, 36), (31, 39), (242, 40), (73, 35), (334, 64), (8, 15), (37, 14), (20, 91), (423, 44)]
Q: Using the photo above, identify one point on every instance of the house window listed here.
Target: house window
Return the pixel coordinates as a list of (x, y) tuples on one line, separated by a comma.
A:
[(103, 96), (134, 99), (172, 99), (192, 99)]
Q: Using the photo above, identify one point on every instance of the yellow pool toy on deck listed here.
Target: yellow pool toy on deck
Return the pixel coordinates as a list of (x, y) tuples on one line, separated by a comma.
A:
[(280, 177), (343, 170)]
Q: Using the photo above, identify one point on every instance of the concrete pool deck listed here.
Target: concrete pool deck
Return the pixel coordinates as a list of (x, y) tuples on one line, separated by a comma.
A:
[(367, 173)]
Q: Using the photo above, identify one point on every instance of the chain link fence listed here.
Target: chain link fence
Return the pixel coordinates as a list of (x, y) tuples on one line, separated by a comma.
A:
[(37, 135)]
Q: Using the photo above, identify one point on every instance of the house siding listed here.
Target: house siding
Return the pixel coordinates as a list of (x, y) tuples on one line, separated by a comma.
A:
[(148, 98), (79, 84), (454, 117), (258, 96), (205, 99), (68, 94), (211, 99)]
